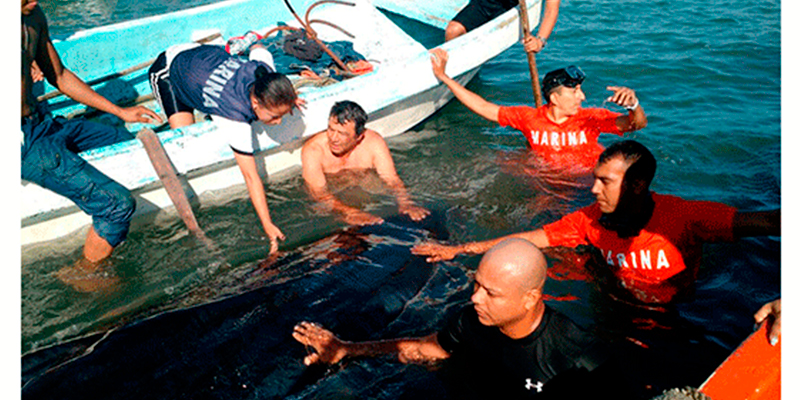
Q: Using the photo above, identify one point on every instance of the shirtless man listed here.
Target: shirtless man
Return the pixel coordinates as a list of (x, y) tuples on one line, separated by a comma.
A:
[(507, 344), (348, 145), (50, 145)]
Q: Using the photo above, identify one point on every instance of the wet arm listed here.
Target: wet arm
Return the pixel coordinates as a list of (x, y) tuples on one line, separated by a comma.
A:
[(255, 188), (474, 102), (549, 18), (759, 223), (635, 120), (384, 166), (626, 97), (416, 350), (329, 349), (437, 252), (68, 83), (537, 237)]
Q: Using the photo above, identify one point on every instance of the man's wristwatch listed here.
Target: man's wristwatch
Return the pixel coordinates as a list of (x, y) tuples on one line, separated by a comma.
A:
[(633, 107), (543, 40)]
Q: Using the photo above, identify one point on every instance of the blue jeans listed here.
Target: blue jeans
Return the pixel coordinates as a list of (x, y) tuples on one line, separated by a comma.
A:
[(50, 159)]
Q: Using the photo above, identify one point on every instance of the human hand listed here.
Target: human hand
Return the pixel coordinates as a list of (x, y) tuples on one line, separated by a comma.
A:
[(532, 44), (358, 217), (436, 252), (274, 235), (36, 73), (439, 62), (329, 349), (300, 103), (622, 96), (137, 114), (415, 212), (771, 309)]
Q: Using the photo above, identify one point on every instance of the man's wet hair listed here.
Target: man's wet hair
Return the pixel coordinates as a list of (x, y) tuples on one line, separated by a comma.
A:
[(641, 163), (273, 89), (346, 111)]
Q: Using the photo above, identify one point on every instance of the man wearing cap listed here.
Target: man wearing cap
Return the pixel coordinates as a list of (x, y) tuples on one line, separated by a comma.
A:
[(561, 132), (652, 243)]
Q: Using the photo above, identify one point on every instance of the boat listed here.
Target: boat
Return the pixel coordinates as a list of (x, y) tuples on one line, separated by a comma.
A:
[(752, 371), (399, 93)]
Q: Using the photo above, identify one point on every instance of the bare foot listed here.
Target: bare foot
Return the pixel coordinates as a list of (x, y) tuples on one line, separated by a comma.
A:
[(86, 276)]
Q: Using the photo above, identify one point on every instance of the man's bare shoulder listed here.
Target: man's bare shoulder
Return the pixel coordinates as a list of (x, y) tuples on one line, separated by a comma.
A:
[(373, 139), (314, 144)]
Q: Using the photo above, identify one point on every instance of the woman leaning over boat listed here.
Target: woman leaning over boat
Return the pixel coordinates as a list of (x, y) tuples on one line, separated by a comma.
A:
[(236, 93)]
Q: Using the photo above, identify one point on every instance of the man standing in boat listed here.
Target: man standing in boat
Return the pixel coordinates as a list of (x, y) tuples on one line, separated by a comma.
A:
[(479, 12), (237, 94), (507, 344), (651, 243), (561, 132), (347, 145), (50, 145)]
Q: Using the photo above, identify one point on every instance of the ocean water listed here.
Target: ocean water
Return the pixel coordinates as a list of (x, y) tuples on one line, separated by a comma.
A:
[(708, 75)]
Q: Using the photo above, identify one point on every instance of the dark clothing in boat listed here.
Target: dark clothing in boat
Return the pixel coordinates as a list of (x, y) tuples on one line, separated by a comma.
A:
[(162, 89), (488, 364), (208, 79), (49, 158), (479, 12)]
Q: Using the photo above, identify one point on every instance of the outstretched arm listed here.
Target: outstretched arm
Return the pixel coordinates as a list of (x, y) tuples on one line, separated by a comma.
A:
[(475, 103), (625, 97), (68, 83), (439, 252), (330, 350), (314, 178), (758, 223), (384, 166), (255, 187)]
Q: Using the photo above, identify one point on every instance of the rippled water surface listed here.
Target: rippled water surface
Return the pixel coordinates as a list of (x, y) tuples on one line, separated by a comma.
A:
[(708, 75)]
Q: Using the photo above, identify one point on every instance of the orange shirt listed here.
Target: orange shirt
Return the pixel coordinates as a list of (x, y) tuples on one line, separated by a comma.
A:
[(663, 259), (571, 143)]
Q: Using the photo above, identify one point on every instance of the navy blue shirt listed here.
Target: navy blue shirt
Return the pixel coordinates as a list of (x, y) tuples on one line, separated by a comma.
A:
[(209, 79)]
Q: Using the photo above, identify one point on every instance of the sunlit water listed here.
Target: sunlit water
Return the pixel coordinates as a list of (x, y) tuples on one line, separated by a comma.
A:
[(707, 75)]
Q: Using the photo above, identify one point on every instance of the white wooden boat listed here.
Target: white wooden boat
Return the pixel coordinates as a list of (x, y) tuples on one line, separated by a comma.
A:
[(399, 93)]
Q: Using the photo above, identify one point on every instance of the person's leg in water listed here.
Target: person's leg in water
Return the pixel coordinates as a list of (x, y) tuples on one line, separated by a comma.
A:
[(52, 161)]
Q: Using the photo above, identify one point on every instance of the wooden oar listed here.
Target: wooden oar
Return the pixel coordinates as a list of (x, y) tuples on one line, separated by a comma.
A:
[(124, 72), (169, 179), (537, 90)]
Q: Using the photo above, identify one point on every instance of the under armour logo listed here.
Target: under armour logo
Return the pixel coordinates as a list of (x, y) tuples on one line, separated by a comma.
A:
[(530, 385)]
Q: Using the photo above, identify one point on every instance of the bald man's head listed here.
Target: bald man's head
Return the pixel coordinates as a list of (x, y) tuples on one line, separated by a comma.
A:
[(519, 260), (508, 287)]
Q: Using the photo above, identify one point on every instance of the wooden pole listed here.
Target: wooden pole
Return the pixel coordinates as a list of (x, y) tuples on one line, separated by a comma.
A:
[(526, 32), (169, 179)]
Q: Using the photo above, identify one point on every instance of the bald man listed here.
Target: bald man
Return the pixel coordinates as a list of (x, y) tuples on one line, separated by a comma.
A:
[(508, 344)]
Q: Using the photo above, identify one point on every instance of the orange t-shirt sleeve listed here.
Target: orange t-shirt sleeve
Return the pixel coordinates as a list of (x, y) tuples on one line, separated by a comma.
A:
[(569, 231), (604, 120), (517, 117), (712, 221)]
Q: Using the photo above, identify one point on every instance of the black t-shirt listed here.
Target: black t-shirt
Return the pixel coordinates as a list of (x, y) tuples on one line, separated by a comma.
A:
[(484, 361)]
